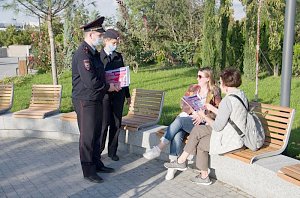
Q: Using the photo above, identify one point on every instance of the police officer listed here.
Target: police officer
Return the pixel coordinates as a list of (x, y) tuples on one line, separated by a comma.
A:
[(89, 87), (113, 102)]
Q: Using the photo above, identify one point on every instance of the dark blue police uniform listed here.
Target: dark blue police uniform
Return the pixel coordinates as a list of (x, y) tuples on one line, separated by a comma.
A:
[(113, 103), (88, 90)]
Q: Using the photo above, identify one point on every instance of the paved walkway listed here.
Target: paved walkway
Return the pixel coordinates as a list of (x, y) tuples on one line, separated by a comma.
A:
[(50, 168)]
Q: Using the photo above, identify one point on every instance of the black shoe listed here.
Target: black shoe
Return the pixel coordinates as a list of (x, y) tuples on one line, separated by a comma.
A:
[(104, 169), (114, 157), (94, 179)]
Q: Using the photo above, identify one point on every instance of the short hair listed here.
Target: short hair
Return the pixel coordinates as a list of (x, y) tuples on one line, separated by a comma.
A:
[(231, 77)]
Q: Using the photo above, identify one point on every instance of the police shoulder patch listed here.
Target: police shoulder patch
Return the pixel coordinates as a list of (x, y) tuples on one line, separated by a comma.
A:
[(87, 64)]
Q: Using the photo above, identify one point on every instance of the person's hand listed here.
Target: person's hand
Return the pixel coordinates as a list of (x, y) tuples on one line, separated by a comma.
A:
[(186, 108), (196, 118), (201, 113), (128, 101), (208, 106), (113, 87)]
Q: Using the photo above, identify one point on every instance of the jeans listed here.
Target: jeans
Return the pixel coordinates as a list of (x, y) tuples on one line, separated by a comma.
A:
[(175, 134)]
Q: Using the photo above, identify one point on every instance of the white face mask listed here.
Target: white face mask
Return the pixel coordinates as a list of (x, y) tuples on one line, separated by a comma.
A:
[(110, 48)]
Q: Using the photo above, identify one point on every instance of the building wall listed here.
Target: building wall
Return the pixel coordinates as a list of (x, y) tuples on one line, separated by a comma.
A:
[(18, 50)]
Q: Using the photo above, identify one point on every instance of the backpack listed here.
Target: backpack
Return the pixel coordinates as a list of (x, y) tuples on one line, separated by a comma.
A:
[(254, 135)]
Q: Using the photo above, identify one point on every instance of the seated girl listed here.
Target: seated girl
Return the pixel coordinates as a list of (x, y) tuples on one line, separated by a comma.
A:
[(184, 123)]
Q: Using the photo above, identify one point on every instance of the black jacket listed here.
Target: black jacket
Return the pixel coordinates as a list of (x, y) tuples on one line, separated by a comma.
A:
[(114, 61), (88, 77)]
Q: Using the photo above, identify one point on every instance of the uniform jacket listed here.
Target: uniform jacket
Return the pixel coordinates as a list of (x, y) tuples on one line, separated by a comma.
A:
[(88, 77), (113, 61)]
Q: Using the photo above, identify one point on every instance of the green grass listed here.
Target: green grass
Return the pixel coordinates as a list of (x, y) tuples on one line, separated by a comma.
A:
[(174, 81)]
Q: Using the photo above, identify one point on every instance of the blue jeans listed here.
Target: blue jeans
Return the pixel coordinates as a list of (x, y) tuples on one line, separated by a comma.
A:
[(176, 132)]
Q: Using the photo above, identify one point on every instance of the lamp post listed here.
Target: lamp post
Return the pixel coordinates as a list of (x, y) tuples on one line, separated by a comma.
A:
[(287, 55)]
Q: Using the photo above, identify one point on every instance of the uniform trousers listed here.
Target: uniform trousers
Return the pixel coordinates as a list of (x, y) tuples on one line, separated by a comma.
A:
[(89, 123), (199, 140), (113, 104)]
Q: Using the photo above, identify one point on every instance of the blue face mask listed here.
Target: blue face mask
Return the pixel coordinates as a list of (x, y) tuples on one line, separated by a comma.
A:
[(97, 42), (110, 48)]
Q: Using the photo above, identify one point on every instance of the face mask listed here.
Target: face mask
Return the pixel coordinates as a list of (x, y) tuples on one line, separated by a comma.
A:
[(97, 42), (110, 48)]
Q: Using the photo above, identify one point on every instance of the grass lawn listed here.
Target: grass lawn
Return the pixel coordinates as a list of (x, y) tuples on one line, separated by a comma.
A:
[(174, 82)]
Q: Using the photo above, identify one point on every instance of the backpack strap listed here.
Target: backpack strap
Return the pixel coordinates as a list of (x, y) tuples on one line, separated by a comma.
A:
[(238, 130), (237, 97)]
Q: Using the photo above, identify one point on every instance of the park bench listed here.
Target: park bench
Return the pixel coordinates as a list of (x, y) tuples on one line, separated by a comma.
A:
[(71, 116), (290, 173), (277, 122), (45, 100), (6, 97), (145, 109)]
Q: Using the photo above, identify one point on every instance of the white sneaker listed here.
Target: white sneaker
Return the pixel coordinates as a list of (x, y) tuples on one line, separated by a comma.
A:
[(152, 153), (170, 173)]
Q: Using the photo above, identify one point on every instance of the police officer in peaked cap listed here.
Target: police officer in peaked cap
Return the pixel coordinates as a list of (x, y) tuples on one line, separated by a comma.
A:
[(113, 102), (88, 90)]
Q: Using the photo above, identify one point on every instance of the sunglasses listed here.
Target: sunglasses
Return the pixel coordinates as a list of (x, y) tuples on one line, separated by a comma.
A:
[(199, 76)]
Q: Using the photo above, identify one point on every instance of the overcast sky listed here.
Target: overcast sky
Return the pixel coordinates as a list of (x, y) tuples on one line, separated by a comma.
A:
[(106, 8)]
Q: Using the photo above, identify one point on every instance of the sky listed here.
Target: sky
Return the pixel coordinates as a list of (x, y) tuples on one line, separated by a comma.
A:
[(106, 8)]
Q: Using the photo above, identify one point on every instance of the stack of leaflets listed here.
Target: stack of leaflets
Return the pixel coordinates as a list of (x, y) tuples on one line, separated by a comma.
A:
[(120, 76), (194, 102)]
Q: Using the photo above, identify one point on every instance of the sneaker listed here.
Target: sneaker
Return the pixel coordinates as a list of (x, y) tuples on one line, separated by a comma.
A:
[(170, 173), (152, 153), (176, 165), (199, 180)]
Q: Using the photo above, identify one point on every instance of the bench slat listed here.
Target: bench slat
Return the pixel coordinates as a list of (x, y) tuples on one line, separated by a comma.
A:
[(45, 100), (145, 109), (6, 97)]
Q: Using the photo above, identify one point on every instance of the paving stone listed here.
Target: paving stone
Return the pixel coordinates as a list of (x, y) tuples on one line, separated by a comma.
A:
[(51, 168)]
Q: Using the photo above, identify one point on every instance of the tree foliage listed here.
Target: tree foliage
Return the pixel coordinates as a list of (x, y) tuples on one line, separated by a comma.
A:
[(46, 10), (13, 36)]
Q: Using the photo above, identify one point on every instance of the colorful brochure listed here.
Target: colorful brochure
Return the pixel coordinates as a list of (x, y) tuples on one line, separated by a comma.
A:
[(120, 76), (194, 102)]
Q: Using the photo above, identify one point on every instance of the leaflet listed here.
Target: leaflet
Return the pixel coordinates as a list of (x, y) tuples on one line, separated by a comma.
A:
[(120, 76), (194, 102)]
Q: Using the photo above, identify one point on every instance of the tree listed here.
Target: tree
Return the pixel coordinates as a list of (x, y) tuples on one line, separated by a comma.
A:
[(46, 10), (224, 15), (209, 40), (74, 16), (250, 41)]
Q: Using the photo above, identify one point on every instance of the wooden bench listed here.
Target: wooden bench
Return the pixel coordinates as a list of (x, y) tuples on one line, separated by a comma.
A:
[(71, 116), (290, 173), (277, 122), (145, 109), (45, 100), (6, 97)]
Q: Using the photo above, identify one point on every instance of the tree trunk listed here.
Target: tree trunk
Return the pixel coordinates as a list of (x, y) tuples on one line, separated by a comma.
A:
[(52, 49), (276, 70)]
